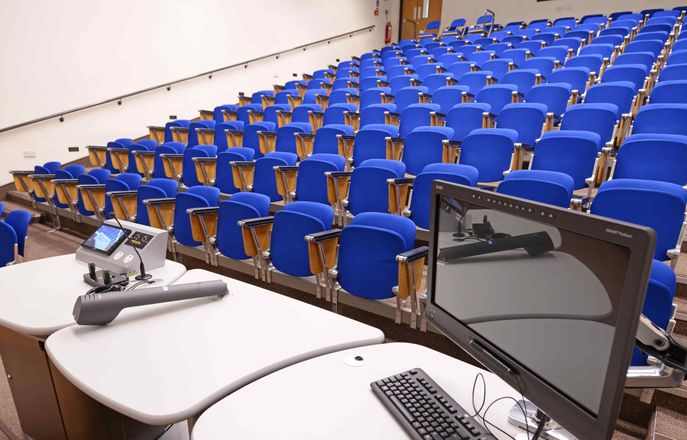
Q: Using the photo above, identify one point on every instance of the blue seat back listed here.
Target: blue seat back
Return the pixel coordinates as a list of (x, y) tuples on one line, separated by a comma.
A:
[(620, 93), (370, 142), (669, 92), (334, 114), (369, 189), (475, 81), (408, 95), (288, 249), (422, 187), (325, 138), (241, 206), (551, 187), (195, 197), (497, 96), (554, 96), (661, 118), (218, 112), (250, 135), (242, 114), (264, 179), (597, 118), (570, 152), (634, 73), (524, 79), (224, 179), (367, 254), (155, 189), (416, 115), (374, 114), (525, 118), (577, 77), (673, 72), (311, 184), (8, 239), (463, 118), (424, 146), (19, 220), (448, 96), (658, 205), (489, 150), (591, 62), (286, 141), (190, 178), (653, 157)]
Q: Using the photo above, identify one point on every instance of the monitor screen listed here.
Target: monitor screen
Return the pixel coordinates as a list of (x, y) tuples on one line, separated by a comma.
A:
[(549, 296), (105, 239)]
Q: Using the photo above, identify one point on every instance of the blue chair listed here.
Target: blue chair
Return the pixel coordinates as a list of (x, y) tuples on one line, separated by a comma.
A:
[(661, 118), (481, 57), (545, 37), (8, 245), (673, 72), (423, 146), (192, 131), (302, 112), (558, 53), (449, 96), (437, 81), (272, 112), (417, 115), (121, 182), (654, 33), (463, 118), (519, 56), (370, 142), (223, 130), (534, 46), (264, 181), (424, 70), (375, 95), (476, 81), (93, 177), (555, 96), (422, 187), (157, 188), (2, 209), (577, 77), (613, 40), (189, 175), (498, 96), (658, 302), (592, 63), (311, 183), (169, 137), (677, 57), (653, 157), (224, 179), (571, 43), (652, 46), (251, 138), (498, 67), (658, 205), (243, 112), (669, 92), (336, 114), (527, 119), (376, 114), (634, 73), (570, 152), (524, 79), (620, 93), (489, 150), (597, 118), (368, 185), (286, 141), (604, 50), (550, 187), (542, 64), (194, 197), (19, 220), (221, 113), (326, 138), (311, 96), (409, 95), (460, 68), (68, 172)]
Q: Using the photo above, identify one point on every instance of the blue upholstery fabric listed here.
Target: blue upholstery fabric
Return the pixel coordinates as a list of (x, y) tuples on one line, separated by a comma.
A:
[(195, 197), (250, 135), (475, 81), (369, 189), (286, 142), (568, 151), (416, 115), (334, 114), (217, 113), (620, 93), (634, 73), (242, 114), (497, 96), (19, 220), (661, 118), (463, 118), (577, 77), (370, 142), (289, 249), (311, 184), (422, 187), (374, 114), (367, 254), (372, 96), (8, 238), (653, 157), (448, 96), (224, 178), (408, 95), (489, 150), (264, 179), (658, 205), (325, 138), (424, 146), (549, 187), (301, 113), (673, 72), (154, 189), (526, 118), (669, 92), (190, 177), (554, 96), (240, 206), (596, 118), (591, 62)]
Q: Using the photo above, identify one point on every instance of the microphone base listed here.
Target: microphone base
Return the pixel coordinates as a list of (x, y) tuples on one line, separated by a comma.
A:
[(143, 277)]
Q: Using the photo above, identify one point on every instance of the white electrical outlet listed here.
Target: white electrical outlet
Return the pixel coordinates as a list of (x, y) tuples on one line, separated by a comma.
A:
[(29, 154)]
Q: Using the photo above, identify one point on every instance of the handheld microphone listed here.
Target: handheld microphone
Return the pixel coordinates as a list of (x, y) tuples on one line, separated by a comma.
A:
[(100, 309), (535, 244), (143, 276)]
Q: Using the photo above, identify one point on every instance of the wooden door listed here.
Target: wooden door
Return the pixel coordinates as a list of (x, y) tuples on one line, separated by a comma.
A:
[(412, 11)]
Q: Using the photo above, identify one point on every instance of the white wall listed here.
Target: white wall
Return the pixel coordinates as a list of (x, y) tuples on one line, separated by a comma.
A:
[(527, 10), (59, 55)]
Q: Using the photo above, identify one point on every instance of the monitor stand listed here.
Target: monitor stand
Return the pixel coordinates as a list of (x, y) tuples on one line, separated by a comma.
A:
[(552, 430)]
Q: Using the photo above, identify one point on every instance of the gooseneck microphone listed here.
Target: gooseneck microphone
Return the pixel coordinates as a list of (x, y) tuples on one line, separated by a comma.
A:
[(101, 309), (143, 276)]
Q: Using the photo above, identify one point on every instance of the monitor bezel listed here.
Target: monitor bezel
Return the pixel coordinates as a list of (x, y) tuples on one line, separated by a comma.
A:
[(114, 247), (639, 240)]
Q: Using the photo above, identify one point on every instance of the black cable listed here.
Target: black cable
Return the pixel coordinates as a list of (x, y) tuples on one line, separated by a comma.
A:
[(484, 394), (487, 423)]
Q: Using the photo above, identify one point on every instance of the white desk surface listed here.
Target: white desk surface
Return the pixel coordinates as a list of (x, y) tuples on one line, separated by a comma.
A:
[(37, 297), (165, 363), (325, 398)]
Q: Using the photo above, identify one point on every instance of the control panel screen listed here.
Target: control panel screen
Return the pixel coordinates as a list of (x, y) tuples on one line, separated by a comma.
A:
[(106, 239), (139, 240)]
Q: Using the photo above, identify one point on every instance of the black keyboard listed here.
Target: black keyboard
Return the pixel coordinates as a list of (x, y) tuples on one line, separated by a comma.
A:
[(425, 410)]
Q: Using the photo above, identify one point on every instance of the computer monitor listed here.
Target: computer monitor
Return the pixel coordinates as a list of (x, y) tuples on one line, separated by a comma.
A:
[(546, 298), (105, 239)]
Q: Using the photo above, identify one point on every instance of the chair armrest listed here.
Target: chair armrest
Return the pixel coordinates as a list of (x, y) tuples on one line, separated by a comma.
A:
[(92, 186), (160, 201), (413, 255), (255, 222), (256, 233), (203, 211), (399, 195), (267, 141), (285, 179), (129, 193), (172, 156), (394, 148), (323, 250), (65, 181), (337, 189)]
